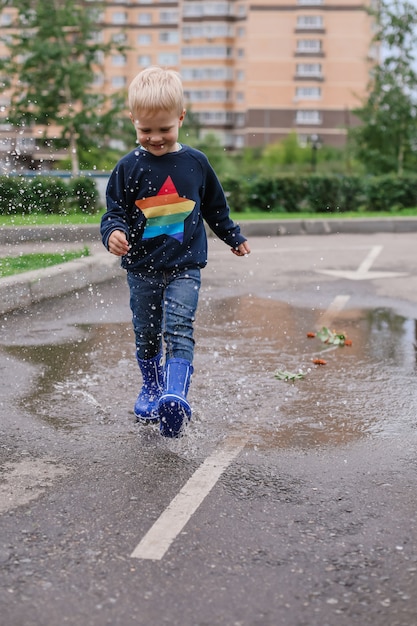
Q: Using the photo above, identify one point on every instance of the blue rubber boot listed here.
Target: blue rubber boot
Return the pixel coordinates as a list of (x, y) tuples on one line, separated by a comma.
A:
[(173, 407), (146, 406)]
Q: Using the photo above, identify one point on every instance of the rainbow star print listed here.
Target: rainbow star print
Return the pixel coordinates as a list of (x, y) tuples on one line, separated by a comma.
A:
[(165, 213)]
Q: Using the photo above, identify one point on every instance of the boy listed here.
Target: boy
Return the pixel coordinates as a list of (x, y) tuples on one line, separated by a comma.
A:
[(157, 197)]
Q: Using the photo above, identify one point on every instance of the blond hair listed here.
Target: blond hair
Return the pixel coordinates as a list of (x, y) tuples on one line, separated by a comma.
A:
[(156, 89)]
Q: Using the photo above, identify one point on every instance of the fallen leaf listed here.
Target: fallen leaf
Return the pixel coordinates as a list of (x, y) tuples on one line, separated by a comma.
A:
[(319, 362), (331, 336)]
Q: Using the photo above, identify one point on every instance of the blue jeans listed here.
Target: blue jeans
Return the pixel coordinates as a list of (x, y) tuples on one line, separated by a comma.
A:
[(163, 305)]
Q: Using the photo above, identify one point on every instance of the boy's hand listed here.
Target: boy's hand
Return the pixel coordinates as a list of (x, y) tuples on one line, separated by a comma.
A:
[(118, 243), (243, 249)]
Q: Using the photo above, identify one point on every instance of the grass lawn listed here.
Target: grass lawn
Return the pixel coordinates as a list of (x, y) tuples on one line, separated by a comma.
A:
[(49, 220), (10, 265), (81, 218), (262, 215)]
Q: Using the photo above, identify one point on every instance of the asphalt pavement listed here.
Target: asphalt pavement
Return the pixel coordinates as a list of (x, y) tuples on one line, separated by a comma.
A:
[(286, 503), (21, 290)]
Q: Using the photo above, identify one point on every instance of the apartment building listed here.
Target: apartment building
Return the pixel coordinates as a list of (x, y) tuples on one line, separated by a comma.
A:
[(253, 70)]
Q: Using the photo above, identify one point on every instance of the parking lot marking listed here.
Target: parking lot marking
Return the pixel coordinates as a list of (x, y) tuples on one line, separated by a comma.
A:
[(337, 304), (364, 271), (160, 536), (368, 261)]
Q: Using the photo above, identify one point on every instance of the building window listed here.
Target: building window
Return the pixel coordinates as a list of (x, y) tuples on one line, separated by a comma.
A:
[(98, 37), (169, 36), (118, 60), (188, 32), (119, 38), (6, 19), (144, 39), (209, 118), (218, 8), (308, 93), (207, 73), (200, 9), (145, 18), (98, 80), (240, 119), (119, 18), (168, 58), (144, 60), (207, 30), (217, 30), (208, 95), (309, 70), (168, 17), (309, 46), (221, 95), (207, 52), (310, 22), (192, 9), (99, 57), (308, 117), (117, 82)]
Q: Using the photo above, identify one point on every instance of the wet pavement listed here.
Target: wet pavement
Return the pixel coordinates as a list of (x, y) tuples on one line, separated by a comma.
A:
[(313, 522)]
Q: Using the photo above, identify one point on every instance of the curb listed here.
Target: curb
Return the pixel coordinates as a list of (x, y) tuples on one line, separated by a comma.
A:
[(355, 225), (22, 290), (37, 234), (264, 228)]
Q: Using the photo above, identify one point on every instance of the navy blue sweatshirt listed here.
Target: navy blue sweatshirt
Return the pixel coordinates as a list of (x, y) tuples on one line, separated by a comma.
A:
[(160, 203)]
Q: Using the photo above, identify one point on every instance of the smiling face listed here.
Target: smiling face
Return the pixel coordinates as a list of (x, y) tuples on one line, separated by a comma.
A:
[(157, 131)]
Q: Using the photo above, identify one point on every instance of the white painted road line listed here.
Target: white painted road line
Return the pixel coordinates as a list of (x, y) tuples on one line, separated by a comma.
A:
[(368, 261), (338, 304), (364, 272), (167, 527)]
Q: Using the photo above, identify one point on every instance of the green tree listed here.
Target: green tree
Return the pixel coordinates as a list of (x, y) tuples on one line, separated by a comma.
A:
[(288, 151), (386, 140), (54, 53)]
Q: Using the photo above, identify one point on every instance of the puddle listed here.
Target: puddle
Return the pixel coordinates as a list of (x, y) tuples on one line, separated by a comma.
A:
[(80, 379), (367, 389)]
